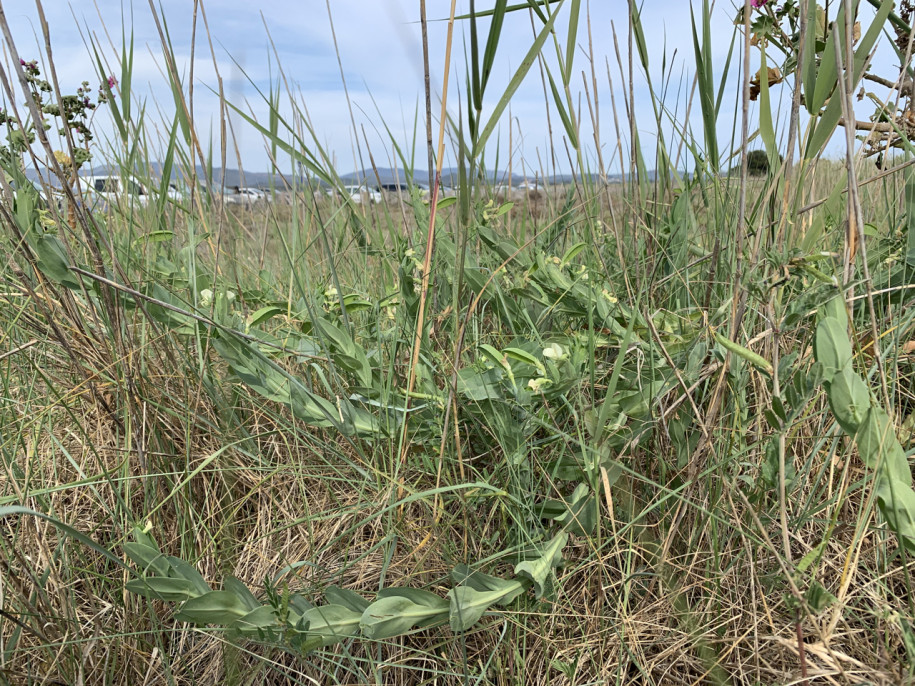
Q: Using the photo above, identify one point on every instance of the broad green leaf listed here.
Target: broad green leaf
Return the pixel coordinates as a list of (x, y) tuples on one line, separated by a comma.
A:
[(264, 314), (579, 512), (346, 598), (832, 347), (479, 386), (573, 252), (879, 447), (523, 356), (147, 559), (53, 261), (509, 589), (332, 622), (274, 383), (468, 605), (190, 574), (445, 202), (261, 619), (766, 127), (162, 588), (493, 355), (162, 236), (420, 597), (215, 607), (836, 308), (849, 400), (396, 615), (897, 504), (539, 571), (233, 585), (812, 556)]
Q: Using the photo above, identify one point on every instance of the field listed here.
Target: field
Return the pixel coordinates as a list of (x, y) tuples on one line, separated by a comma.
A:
[(649, 429)]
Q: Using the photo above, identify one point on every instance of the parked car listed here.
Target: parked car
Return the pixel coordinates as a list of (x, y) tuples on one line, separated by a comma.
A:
[(397, 191), (242, 195), (363, 194)]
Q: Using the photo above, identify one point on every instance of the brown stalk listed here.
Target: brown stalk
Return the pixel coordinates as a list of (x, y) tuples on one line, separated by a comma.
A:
[(430, 238)]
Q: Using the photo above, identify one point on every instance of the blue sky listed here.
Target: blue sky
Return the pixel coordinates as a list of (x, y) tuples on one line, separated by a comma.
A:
[(380, 50)]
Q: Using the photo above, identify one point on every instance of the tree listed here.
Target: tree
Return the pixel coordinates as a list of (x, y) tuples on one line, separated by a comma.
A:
[(757, 163)]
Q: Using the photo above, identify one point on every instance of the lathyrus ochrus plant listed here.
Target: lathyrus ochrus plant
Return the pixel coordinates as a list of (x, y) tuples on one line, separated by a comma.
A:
[(868, 424), (291, 619)]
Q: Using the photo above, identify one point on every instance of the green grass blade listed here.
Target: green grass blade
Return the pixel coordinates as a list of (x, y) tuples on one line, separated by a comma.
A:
[(515, 82)]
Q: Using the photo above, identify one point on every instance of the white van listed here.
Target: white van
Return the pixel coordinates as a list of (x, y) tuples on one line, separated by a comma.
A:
[(111, 189)]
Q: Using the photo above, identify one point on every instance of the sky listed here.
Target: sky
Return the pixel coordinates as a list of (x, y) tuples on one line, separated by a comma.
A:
[(379, 48)]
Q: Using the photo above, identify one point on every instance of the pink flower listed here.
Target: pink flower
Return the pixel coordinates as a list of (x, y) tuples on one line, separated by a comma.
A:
[(758, 3), (112, 82)]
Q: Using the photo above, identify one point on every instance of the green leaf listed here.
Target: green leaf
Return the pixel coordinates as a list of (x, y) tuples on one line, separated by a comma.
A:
[(832, 347), (479, 386), (346, 598), (492, 42), (147, 559), (468, 605), (910, 216), (445, 202), (849, 400), (837, 309), (879, 447), (162, 588), (523, 356), (811, 556), (162, 236), (571, 39), (818, 598), (395, 615), (808, 68), (233, 585), (215, 607), (53, 261), (509, 589), (190, 574), (540, 570), (897, 504), (493, 355), (262, 619), (418, 596), (564, 116), (579, 513), (573, 252), (332, 622), (263, 314)]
